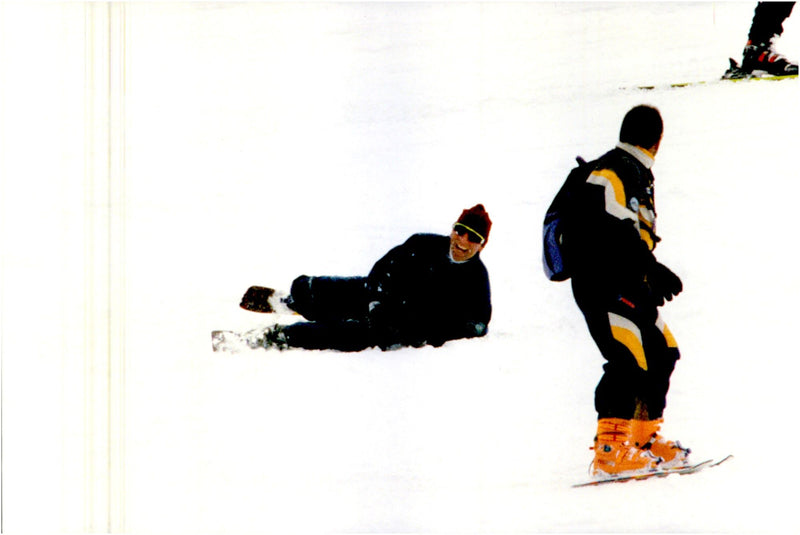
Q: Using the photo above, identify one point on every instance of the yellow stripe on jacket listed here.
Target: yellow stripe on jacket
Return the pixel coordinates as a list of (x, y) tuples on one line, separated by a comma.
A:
[(615, 199)]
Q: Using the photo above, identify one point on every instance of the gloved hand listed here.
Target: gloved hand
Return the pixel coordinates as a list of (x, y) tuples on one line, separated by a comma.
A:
[(390, 329), (664, 284), (385, 334)]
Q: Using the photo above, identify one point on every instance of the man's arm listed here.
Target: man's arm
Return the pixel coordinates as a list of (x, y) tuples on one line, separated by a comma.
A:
[(468, 318), (390, 316)]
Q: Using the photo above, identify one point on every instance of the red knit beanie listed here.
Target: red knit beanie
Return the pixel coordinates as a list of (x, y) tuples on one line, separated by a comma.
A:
[(477, 220)]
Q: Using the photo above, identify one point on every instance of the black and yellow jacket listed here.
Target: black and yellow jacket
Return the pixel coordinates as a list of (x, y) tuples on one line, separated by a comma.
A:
[(613, 229)]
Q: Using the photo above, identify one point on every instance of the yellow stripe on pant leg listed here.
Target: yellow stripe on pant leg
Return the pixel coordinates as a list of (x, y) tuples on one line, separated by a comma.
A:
[(628, 334)]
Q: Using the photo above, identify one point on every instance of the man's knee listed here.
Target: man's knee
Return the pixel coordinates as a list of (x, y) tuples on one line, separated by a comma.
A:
[(328, 298), (300, 296)]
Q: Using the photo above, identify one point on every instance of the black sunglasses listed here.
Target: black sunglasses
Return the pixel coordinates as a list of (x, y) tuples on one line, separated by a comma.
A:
[(472, 236)]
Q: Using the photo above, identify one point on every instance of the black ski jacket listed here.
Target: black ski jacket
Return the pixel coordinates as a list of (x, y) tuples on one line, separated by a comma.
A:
[(418, 295), (612, 231)]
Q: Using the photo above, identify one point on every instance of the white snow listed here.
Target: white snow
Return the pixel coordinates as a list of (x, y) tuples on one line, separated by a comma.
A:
[(266, 140)]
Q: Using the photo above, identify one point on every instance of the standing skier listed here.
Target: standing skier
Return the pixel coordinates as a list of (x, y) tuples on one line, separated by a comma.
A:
[(428, 290), (759, 56), (618, 285)]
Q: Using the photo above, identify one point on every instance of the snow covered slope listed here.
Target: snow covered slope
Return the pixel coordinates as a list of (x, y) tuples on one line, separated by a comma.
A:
[(267, 140)]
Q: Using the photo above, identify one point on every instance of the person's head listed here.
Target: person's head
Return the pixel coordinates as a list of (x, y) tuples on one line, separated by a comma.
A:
[(642, 127), (470, 233)]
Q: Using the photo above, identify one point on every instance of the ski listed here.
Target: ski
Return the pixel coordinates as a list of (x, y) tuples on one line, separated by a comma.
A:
[(257, 299), (736, 73), (227, 341), (265, 300), (233, 342), (692, 469), (699, 83), (265, 337), (721, 461), (733, 74)]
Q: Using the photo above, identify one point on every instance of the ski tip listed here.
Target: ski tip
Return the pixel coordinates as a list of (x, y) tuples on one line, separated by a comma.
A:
[(219, 341), (216, 339), (734, 72), (726, 458), (257, 299)]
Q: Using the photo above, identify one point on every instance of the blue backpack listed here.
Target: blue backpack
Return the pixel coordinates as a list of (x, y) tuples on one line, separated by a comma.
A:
[(555, 252)]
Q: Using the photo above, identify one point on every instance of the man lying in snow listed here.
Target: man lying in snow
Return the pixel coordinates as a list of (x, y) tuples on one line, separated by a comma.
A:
[(428, 290)]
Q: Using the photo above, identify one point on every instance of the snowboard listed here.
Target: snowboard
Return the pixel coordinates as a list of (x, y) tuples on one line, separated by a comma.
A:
[(691, 469)]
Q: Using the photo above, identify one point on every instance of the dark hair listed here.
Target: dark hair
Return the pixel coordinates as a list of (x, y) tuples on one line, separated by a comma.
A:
[(642, 126)]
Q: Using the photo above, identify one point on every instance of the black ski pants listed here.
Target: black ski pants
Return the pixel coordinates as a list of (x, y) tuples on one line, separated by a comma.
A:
[(336, 308), (639, 350), (768, 20)]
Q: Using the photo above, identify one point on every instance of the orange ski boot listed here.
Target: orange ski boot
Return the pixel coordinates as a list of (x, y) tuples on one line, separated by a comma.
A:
[(615, 453), (646, 437)]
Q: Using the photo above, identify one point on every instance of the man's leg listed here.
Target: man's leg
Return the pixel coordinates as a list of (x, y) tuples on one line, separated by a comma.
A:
[(329, 299), (759, 55), (662, 354), (641, 354), (768, 21), (615, 328), (343, 336), (624, 373)]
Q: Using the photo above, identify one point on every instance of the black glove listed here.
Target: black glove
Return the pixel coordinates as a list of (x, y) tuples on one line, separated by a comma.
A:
[(664, 284), (392, 330), (385, 334)]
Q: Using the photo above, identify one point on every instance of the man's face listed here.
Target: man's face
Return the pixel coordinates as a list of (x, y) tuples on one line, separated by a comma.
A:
[(464, 244)]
